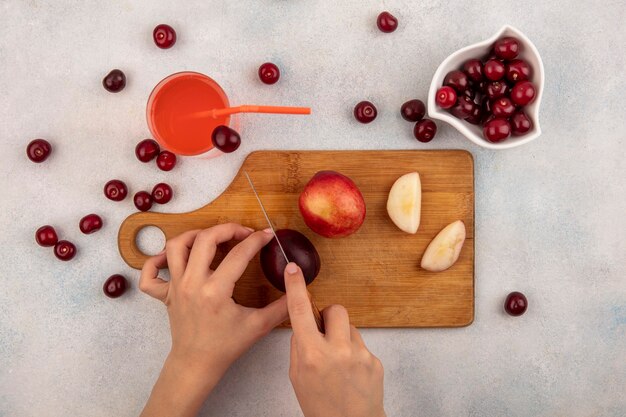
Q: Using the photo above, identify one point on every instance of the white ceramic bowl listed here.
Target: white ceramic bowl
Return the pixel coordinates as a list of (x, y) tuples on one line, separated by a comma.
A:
[(478, 50)]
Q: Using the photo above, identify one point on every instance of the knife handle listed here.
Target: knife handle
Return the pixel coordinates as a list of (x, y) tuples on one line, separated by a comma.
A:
[(319, 320)]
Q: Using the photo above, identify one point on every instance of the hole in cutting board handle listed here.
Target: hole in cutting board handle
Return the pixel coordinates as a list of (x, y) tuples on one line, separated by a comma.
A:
[(150, 240)]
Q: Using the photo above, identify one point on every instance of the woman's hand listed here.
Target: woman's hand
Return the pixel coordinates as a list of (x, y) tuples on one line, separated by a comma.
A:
[(209, 330), (333, 374)]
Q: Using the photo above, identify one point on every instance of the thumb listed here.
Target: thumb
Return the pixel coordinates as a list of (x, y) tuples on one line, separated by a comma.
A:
[(272, 314)]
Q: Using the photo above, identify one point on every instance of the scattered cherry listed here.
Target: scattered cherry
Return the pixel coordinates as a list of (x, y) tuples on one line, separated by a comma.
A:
[(474, 69), (515, 304), (457, 80), (115, 286), (365, 112), (413, 110), (166, 161), (523, 93), (115, 81), (387, 22), (503, 107), (520, 123), (46, 236), (38, 150), (162, 193), (64, 250), (496, 89), (506, 48), (446, 97), (269, 73), (90, 223), (496, 130), (517, 70), (147, 150), (494, 69), (425, 130), (115, 190), (164, 36), (143, 200), (225, 139)]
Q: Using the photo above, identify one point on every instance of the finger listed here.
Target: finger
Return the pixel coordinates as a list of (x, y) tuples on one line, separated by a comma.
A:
[(270, 316), (205, 245), (299, 305), (337, 323), (293, 356), (177, 250), (355, 336), (237, 260), (149, 282)]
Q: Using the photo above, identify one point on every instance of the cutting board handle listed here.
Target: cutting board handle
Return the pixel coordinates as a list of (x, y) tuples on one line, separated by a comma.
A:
[(168, 223)]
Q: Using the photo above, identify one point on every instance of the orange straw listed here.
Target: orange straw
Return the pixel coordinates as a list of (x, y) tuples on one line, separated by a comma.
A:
[(246, 108)]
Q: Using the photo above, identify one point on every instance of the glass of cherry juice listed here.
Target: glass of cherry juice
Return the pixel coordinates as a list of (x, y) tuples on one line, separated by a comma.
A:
[(175, 109)]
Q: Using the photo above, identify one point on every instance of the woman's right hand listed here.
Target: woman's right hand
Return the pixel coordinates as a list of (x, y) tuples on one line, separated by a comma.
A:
[(333, 374)]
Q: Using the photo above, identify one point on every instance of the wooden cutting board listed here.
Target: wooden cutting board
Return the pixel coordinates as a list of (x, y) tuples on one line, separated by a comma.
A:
[(375, 272)]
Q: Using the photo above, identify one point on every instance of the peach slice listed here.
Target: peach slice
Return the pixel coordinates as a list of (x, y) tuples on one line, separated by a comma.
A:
[(404, 204), (444, 250)]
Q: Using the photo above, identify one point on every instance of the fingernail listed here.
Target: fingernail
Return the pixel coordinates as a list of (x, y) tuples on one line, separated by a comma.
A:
[(291, 268), (268, 230), (249, 229)]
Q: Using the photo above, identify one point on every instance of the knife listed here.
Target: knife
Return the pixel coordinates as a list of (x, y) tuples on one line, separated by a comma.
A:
[(319, 320)]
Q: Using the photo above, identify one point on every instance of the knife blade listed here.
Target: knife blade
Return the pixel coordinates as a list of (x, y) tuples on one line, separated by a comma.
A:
[(319, 319), (266, 216)]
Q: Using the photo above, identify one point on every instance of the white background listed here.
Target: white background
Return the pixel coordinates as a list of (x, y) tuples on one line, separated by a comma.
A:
[(550, 216)]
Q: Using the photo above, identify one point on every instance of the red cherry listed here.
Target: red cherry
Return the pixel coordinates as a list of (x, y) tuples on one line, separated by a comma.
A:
[(496, 130), (143, 200), (46, 236), (515, 304), (164, 36), (386, 22), (147, 150), (225, 139), (506, 48), (115, 286), (91, 223), (446, 97), (463, 108), (365, 112), (114, 81), (523, 93), (166, 161), (494, 69), (64, 250), (502, 107), (425, 130), (517, 70), (269, 73), (38, 150), (476, 117), (162, 193), (474, 69), (413, 110), (520, 123), (115, 190), (457, 80), (496, 89)]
